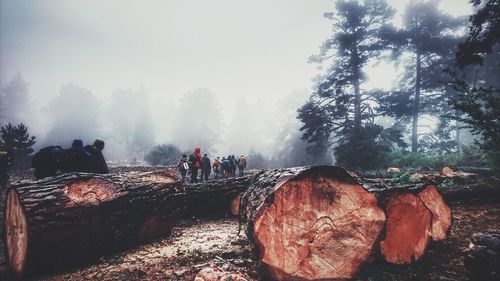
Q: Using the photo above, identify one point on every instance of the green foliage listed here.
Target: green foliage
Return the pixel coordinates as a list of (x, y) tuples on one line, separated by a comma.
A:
[(422, 160), (18, 140), (401, 179), (447, 183), (164, 154)]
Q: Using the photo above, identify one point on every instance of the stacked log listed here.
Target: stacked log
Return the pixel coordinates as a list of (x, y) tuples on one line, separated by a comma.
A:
[(74, 218), (311, 223)]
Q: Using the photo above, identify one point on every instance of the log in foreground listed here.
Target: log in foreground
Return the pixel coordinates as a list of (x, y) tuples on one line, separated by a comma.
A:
[(441, 212), (408, 228), (311, 223), (74, 218)]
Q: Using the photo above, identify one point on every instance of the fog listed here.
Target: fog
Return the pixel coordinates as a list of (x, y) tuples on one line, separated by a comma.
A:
[(224, 75)]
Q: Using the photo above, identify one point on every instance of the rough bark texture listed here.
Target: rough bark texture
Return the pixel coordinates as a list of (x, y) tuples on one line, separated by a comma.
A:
[(408, 228), (215, 196), (483, 259), (311, 223), (77, 217), (441, 212)]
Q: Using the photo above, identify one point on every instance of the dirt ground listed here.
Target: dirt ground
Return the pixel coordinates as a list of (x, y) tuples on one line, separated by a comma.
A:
[(197, 243)]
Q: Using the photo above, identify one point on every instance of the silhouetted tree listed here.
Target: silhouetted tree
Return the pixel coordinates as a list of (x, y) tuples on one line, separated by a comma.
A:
[(429, 36), (164, 154), (339, 111), (256, 160), (199, 122), (74, 115), (18, 140), (131, 127), (484, 33), (14, 96)]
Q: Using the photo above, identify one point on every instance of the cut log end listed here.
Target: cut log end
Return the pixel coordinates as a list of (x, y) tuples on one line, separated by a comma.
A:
[(235, 206), (441, 213), (317, 228), (16, 232), (408, 229)]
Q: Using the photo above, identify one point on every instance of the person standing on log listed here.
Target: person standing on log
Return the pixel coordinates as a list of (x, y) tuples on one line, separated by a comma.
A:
[(216, 168), (226, 166), (205, 167), (195, 161), (242, 164), (183, 167), (97, 162), (232, 160)]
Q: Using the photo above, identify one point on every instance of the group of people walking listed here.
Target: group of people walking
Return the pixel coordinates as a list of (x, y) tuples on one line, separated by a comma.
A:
[(221, 168)]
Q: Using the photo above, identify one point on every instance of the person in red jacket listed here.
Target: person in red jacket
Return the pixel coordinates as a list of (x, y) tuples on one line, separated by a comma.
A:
[(195, 161)]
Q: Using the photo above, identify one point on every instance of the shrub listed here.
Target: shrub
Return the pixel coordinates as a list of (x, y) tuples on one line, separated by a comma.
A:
[(163, 154)]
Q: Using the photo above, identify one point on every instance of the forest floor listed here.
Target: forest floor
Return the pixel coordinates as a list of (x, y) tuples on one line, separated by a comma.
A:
[(197, 243)]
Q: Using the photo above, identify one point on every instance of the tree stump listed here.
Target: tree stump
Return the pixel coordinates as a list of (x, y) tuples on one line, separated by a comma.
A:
[(311, 223)]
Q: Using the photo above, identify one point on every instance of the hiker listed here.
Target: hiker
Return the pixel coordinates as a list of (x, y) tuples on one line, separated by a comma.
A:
[(205, 167), (216, 167), (226, 167), (183, 167), (75, 159), (46, 161), (195, 164), (242, 164), (232, 161), (96, 163)]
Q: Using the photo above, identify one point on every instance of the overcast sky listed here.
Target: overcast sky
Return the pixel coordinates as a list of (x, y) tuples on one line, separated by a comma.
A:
[(257, 49)]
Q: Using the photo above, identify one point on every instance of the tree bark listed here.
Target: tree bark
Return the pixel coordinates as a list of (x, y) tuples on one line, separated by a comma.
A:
[(74, 218), (310, 223)]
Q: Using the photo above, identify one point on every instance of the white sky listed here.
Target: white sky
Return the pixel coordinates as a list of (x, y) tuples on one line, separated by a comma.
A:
[(258, 49)]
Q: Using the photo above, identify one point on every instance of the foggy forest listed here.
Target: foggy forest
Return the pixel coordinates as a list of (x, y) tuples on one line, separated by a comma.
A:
[(348, 139)]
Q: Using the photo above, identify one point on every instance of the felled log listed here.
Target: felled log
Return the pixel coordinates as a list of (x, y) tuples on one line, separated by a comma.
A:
[(75, 218), (441, 212), (483, 258), (311, 223), (215, 197), (408, 228)]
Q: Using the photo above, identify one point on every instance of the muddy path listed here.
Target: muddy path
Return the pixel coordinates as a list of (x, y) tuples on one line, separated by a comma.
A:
[(197, 243)]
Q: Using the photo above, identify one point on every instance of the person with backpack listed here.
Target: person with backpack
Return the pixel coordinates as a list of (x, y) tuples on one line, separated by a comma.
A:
[(75, 159), (46, 161), (232, 159), (205, 167), (195, 161), (226, 166), (96, 163), (183, 167), (242, 164), (216, 167)]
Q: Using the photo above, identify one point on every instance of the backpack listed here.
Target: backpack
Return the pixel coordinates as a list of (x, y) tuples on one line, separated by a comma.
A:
[(74, 160), (46, 161), (192, 160)]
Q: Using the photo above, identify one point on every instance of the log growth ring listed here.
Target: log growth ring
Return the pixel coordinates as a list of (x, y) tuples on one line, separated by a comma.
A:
[(441, 212), (317, 228), (16, 232)]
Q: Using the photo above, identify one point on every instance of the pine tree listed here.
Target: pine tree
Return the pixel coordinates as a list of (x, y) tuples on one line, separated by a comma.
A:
[(339, 113), (18, 140), (429, 37)]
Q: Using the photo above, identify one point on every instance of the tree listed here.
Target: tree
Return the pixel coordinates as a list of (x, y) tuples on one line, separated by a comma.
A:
[(130, 131), (15, 100), (255, 160), (340, 110), (164, 154), (476, 81), (74, 115), (18, 140), (199, 123), (484, 33), (429, 36)]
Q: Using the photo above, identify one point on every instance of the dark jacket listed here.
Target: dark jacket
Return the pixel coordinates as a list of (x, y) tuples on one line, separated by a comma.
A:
[(96, 163), (206, 164)]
